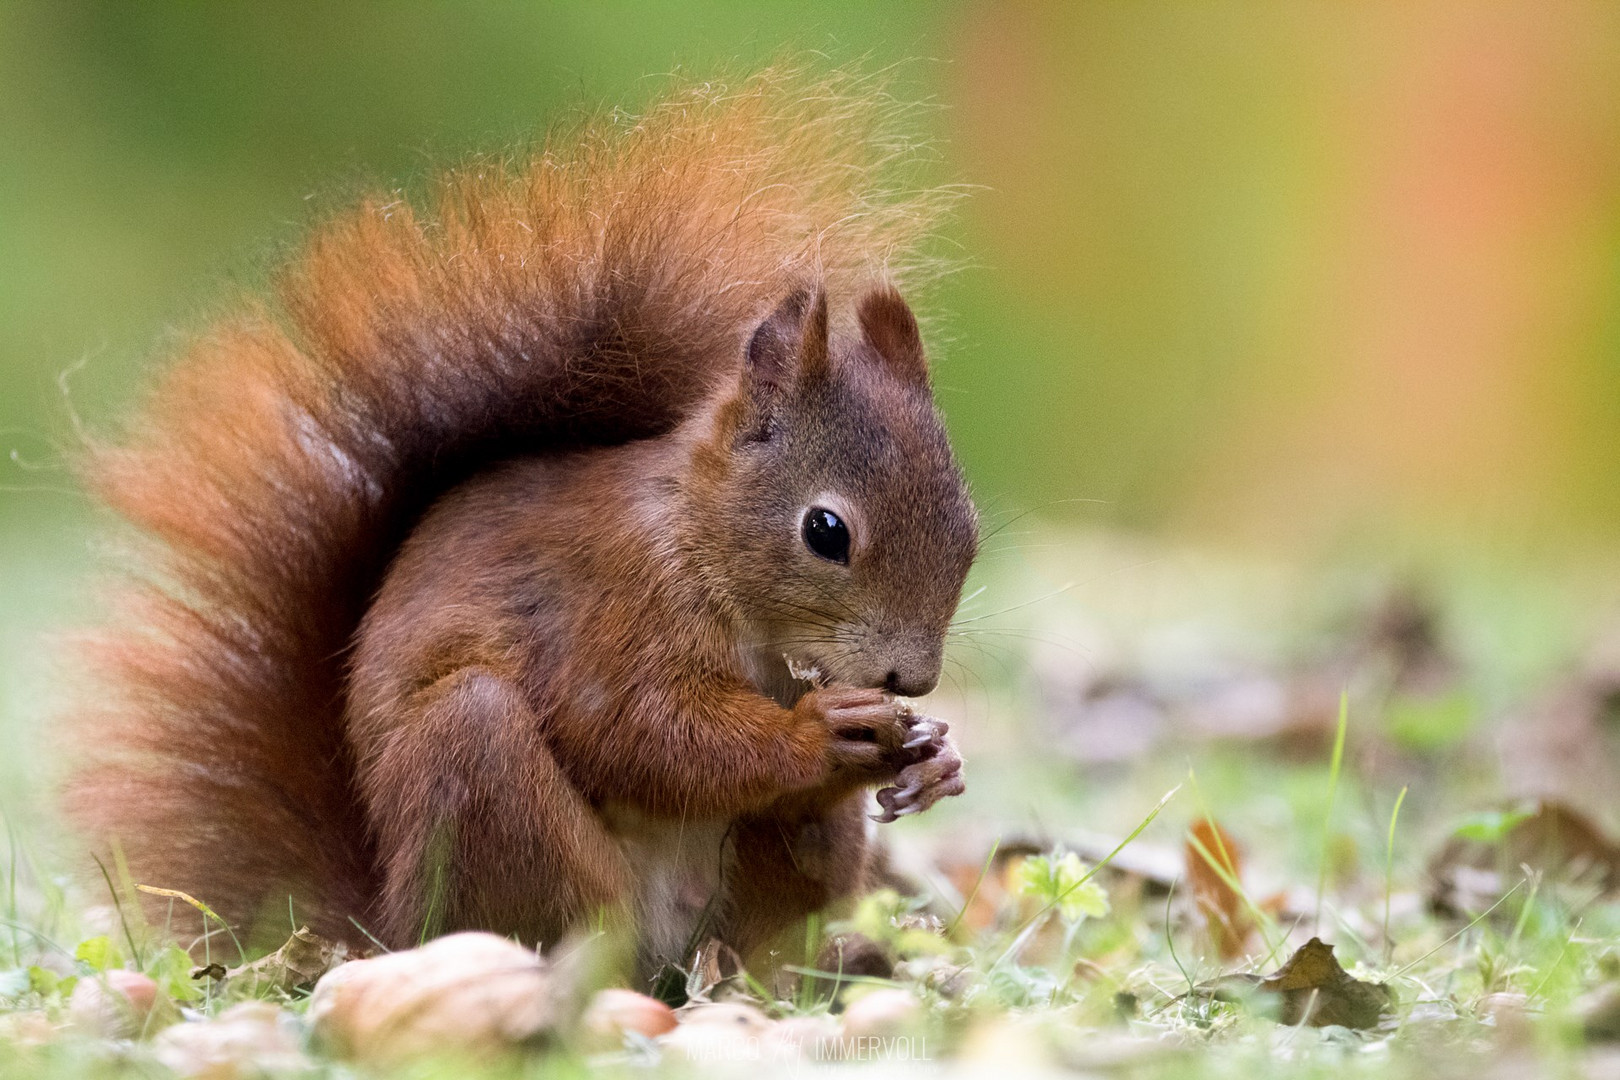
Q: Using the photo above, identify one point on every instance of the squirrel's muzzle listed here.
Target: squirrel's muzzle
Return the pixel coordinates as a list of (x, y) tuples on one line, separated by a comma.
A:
[(910, 685)]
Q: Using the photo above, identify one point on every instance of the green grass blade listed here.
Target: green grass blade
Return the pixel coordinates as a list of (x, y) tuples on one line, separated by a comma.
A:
[(1327, 818)]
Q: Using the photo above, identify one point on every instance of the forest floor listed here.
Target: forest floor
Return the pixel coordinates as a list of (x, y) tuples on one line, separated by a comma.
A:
[(1223, 819)]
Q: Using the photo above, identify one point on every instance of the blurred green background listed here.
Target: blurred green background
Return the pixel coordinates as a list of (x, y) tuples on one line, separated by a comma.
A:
[(1274, 270), (1285, 275)]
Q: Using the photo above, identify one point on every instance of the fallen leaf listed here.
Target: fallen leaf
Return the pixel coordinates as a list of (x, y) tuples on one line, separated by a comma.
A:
[(711, 965), (1562, 741), (1214, 866), (1312, 989), (1483, 857), (297, 965)]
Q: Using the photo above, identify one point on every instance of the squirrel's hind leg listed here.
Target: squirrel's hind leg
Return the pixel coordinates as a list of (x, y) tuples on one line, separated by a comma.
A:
[(476, 825), (788, 866)]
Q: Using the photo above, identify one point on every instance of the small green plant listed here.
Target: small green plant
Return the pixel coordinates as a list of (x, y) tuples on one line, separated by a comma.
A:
[(1491, 826), (1061, 881)]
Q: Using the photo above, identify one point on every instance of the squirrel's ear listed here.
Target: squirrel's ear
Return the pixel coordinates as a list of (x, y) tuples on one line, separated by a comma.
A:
[(891, 329), (792, 340), (790, 344)]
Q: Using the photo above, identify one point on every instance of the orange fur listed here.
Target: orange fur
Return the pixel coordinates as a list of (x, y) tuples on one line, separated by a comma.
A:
[(594, 292)]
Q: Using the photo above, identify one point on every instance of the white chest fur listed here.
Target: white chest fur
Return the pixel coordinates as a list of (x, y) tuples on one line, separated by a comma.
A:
[(678, 869)]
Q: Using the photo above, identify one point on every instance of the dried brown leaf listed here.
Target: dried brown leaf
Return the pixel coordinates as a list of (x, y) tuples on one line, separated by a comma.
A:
[(297, 965), (1469, 874), (1214, 864), (1312, 989)]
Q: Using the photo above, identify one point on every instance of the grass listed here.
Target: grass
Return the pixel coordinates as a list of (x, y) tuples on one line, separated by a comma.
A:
[(1389, 867), (1055, 926), (1334, 767)]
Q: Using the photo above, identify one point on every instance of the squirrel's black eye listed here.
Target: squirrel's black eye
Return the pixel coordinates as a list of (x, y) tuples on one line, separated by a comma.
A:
[(826, 535)]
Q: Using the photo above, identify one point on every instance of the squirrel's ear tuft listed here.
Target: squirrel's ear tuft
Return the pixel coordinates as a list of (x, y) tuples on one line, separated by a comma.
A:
[(813, 352), (891, 329), (790, 344)]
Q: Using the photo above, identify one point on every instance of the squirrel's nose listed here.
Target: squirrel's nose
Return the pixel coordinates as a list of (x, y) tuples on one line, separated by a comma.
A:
[(913, 686)]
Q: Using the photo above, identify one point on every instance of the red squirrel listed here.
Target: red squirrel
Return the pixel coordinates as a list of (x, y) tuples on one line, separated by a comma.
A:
[(565, 548)]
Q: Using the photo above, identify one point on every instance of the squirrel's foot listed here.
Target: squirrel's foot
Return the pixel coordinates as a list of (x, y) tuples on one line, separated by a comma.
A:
[(934, 773)]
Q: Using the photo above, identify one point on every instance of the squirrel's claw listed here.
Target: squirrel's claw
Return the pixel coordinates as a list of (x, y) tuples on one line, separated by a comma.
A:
[(934, 774), (928, 731), (885, 798)]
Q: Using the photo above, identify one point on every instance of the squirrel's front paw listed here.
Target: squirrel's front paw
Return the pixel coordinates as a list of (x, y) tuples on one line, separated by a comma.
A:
[(869, 730), (933, 772)]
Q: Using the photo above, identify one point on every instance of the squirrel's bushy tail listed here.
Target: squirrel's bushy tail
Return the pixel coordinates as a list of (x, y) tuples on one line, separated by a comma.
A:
[(590, 291)]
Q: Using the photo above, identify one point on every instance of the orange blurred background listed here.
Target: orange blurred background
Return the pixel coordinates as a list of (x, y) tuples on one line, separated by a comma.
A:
[(1316, 268)]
